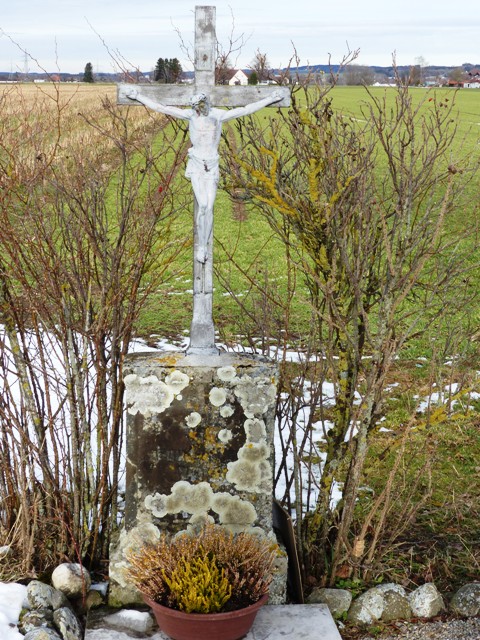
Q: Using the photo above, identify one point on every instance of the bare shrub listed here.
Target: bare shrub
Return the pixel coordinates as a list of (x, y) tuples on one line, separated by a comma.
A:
[(86, 212), (367, 210)]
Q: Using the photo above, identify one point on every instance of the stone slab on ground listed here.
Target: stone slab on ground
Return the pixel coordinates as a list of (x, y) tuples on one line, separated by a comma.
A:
[(275, 622)]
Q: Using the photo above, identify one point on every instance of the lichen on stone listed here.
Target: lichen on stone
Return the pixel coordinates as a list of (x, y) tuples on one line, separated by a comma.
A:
[(221, 501), (147, 396), (254, 452), (217, 396), (238, 512), (200, 520), (227, 374), (255, 429), (225, 435), (143, 533), (191, 498), (255, 395), (177, 381), (234, 510), (157, 504), (245, 475), (193, 419), (226, 411)]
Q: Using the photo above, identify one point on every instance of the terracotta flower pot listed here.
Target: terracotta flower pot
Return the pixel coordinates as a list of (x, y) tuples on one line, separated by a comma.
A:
[(231, 625)]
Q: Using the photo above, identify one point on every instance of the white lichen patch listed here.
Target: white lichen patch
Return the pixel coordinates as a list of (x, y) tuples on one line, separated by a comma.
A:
[(233, 510), (252, 470), (225, 435), (118, 572), (157, 504), (199, 499), (245, 475), (147, 396), (217, 396), (226, 411), (191, 498), (255, 429), (177, 381), (254, 452), (266, 483), (227, 374), (143, 533), (256, 396), (193, 419), (221, 501), (129, 542), (200, 520)]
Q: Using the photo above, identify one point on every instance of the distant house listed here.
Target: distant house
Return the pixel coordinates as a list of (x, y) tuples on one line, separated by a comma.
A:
[(473, 80), (238, 77)]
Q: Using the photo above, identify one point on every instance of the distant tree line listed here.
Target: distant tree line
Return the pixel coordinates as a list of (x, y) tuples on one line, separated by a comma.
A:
[(167, 70)]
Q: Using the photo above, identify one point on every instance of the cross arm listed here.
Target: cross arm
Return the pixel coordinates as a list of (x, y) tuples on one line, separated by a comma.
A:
[(136, 96), (274, 98), (220, 95)]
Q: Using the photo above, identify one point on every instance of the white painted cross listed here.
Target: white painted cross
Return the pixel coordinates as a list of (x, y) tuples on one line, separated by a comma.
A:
[(205, 127)]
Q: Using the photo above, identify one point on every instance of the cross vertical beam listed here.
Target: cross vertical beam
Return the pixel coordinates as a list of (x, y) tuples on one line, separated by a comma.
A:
[(202, 328), (205, 45)]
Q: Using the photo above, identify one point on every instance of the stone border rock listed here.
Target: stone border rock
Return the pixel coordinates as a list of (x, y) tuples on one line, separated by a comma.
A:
[(56, 612), (388, 602)]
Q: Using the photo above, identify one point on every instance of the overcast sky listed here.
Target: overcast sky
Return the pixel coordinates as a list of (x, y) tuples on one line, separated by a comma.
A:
[(63, 35)]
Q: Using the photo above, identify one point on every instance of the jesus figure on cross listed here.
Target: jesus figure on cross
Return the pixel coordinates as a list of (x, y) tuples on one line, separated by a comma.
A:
[(205, 128)]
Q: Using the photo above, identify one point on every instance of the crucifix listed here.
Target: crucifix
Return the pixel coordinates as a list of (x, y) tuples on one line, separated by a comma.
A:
[(205, 129)]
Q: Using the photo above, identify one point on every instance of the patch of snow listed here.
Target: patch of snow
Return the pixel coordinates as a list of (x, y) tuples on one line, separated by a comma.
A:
[(102, 587), (12, 599)]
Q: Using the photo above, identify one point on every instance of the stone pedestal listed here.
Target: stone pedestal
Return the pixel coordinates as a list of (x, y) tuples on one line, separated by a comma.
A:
[(199, 449)]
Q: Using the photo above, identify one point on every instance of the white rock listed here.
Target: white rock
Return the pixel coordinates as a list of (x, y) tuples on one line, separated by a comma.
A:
[(71, 579), (426, 601), (391, 586), (130, 619), (367, 608)]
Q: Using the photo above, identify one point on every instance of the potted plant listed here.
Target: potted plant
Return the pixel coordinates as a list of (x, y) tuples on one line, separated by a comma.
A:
[(207, 585)]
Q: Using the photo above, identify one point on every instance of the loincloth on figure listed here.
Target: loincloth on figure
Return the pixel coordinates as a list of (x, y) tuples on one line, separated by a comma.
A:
[(204, 167)]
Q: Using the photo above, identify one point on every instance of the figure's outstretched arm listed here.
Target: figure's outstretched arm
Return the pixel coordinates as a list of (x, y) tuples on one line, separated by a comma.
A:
[(275, 96), (183, 114)]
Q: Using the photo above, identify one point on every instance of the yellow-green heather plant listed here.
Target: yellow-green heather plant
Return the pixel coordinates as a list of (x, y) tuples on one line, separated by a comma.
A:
[(199, 586), (206, 573)]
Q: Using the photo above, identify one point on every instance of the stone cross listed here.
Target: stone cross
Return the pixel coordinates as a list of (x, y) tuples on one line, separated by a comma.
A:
[(205, 126)]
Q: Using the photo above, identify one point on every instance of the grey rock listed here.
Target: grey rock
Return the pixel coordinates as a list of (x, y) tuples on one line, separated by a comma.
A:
[(42, 633), (43, 596), (94, 599), (67, 624), (466, 601), (426, 601), (35, 618), (367, 608), (337, 600), (396, 606), (391, 586), (71, 579)]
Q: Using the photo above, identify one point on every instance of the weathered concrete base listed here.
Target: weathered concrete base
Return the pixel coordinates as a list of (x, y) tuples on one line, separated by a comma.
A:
[(199, 449), (273, 622)]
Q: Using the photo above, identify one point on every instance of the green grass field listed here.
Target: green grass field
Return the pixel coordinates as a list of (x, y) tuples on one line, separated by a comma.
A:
[(246, 251)]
